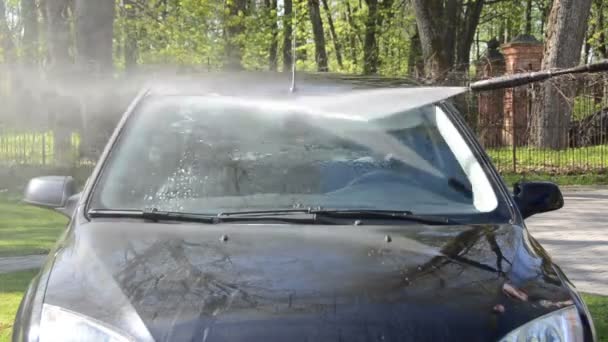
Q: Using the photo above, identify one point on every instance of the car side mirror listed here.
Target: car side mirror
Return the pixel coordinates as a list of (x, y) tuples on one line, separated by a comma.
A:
[(52, 192), (537, 197)]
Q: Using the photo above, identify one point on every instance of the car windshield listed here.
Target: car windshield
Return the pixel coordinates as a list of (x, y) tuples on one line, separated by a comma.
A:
[(210, 154)]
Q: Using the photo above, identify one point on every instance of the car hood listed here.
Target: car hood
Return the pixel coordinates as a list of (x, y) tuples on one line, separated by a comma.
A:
[(266, 282)]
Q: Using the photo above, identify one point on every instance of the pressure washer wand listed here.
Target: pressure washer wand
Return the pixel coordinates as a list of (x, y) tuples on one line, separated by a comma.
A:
[(536, 76)]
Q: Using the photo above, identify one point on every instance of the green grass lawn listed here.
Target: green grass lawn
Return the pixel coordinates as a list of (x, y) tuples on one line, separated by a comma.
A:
[(530, 159), (598, 306), (560, 179), (12, 286), (27, 230)]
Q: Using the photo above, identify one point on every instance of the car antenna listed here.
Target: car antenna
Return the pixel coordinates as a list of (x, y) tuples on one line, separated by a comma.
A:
[(294, 58)]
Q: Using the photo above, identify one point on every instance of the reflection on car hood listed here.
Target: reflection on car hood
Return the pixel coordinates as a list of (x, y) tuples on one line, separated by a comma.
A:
[(317, 283)]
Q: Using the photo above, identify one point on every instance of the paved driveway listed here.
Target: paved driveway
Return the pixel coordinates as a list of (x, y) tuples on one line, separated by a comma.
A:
[(577, 237), (14, 264)]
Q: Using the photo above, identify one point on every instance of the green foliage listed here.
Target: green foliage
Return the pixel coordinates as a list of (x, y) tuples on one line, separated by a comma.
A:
[(597, 30), (192, 33), (506, 19)]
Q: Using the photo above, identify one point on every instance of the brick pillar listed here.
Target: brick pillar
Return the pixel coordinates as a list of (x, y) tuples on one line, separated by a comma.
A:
[(523, 54), (490, 121)]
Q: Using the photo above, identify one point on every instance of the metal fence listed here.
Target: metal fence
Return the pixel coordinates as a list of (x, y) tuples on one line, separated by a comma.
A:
[(21, 147), (506, 123)]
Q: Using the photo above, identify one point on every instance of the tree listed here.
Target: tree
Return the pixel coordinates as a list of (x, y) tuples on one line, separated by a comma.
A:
[(271, 6), (370, 49), (6, 40), (436, 28), (446, 29), (415, 63), (318, 35), (94, 35), (466, 33), (597, 40), (352, 33), (131, 46), (287, 34), (58, 34), (334, 35), (234, 30), (29, 13), (563, 42), (528, 21), (384, 37)]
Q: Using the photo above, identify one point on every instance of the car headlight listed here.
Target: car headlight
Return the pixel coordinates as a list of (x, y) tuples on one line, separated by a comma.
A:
[(59, 324), (560, 326)]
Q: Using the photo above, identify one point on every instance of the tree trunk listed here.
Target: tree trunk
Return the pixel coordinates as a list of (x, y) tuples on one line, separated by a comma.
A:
[(385, 16), (30, 31), (131, 34), (415, 64), (501, 32), (466, 34), (545, 8), (352, 33), (234, 29), (449, 21), (599, 86), (370, 49), (6, 38), (271, 6), (318, 34), (528, 19), (58, 34), (287, 34), (431, 29), (563, 42), (334, 35), (94, 35)]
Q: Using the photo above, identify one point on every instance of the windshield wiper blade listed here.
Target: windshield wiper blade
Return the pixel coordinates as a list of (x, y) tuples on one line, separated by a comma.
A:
[(265, 212), (357, 214), (374, 214), (310, 215), (282, 215), (155, 215)]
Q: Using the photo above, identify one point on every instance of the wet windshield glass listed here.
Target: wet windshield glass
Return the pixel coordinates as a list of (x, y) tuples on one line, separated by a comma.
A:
[(214, 154)]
